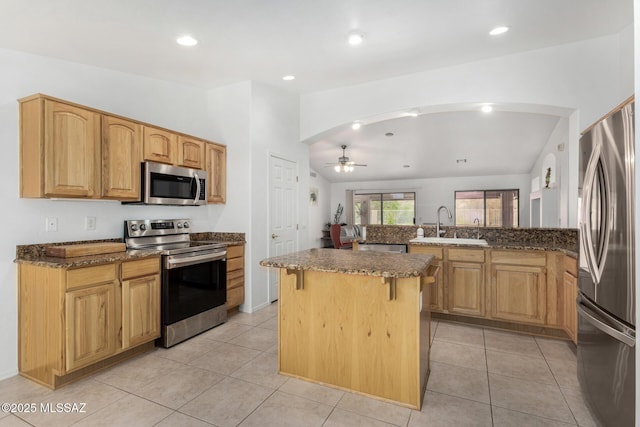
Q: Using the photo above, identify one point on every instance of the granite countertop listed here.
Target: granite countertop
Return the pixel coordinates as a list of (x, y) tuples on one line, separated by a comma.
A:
[(35, 254), (83, 261), (521, 246), (349, 262)]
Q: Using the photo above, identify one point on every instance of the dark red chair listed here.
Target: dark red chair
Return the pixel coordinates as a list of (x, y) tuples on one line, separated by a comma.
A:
[(334, 231)]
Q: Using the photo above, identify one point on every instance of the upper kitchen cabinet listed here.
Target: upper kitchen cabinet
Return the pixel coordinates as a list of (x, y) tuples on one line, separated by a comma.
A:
[(59, 149), (191, 152), (72, 151), (160, 145), (121, 157), (217, 173)]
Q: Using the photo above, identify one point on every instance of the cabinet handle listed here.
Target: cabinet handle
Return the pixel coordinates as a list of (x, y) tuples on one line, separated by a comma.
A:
[(275, 236)]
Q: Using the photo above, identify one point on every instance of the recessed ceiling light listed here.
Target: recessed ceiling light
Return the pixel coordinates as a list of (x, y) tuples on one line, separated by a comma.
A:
[(356, 125), (487, 108), (355, 38), (389, 134), (289, 77), (186, 41), (406, 166), (414, 112), (498, 30)]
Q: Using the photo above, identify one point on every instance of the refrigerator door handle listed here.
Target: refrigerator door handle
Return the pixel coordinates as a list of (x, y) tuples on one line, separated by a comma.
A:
[(592, 318)]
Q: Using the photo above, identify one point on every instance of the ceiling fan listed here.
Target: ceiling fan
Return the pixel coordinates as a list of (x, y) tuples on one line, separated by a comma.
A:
[(343, 165)]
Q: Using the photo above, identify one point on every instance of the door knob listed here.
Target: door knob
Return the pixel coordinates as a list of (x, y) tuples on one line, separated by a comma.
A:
[(275, 236)]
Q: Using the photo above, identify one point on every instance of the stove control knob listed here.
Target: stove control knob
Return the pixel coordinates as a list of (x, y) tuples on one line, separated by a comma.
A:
[(186, 225), (179, 225), (134, 227), (143, 227)]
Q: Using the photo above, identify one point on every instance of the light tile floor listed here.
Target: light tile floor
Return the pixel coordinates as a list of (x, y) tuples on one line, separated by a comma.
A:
[(228, 377)]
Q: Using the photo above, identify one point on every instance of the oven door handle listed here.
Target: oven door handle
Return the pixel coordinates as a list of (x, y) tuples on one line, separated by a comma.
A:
[(175, 262)]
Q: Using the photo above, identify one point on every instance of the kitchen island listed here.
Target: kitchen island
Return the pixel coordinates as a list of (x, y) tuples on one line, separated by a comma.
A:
[(354, 320)]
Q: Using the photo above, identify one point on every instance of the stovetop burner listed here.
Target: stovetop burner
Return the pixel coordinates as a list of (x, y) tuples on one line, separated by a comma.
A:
[(169, 236)]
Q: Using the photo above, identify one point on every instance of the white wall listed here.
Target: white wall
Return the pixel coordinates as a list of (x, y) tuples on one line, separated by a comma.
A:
[(434, 192), (229, 115), (274, 131), (560, 170), (321, 214)]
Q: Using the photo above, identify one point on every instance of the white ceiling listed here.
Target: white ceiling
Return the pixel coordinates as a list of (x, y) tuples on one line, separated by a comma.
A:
[(263, 40), (501, 142)]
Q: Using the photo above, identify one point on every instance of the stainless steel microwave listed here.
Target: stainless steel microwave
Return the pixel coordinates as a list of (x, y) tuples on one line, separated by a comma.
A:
[(172, 185)]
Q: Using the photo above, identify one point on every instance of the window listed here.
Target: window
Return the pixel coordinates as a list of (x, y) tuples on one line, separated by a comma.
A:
[(492, 208), (384, 208)]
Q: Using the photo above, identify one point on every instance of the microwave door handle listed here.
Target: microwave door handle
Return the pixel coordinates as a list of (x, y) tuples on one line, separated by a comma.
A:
[(195, 175)]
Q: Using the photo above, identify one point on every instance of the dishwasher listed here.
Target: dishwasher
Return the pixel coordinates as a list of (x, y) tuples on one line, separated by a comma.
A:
[(382, 247)]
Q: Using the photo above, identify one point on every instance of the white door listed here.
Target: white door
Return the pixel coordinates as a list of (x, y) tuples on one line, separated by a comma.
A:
[(283, 214)]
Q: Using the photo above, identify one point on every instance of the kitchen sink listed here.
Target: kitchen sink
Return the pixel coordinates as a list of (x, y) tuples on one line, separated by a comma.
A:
[(449, 241)]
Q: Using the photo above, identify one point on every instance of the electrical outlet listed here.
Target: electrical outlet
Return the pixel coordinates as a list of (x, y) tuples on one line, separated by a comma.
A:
[(52, 224), (89, 222)]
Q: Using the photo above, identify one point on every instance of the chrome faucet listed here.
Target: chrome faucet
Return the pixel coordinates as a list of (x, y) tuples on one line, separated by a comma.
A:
[(477, 228), (439, 232)]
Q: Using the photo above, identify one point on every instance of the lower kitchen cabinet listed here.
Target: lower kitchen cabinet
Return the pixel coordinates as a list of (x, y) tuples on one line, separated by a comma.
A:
[(569, 295), (500, 286), (235, 275), (433, 294), (140, 301), (91, 325), (72, 321), (465, 281), (518, 286)]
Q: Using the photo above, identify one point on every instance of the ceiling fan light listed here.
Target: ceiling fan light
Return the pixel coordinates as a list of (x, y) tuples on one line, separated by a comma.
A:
[(337, 168)]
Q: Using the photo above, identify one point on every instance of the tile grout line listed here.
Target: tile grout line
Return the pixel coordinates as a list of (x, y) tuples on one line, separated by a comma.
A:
[(486, 361), (557, 383)]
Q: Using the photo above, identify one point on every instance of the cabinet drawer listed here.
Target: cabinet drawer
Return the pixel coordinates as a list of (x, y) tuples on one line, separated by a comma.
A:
[(235, 281), (235, 264), (235, 274), (571, 265), (469, 255), (519, 258), (143, 267), (429, 250), (235, 251), (235, 297), (87, 276)]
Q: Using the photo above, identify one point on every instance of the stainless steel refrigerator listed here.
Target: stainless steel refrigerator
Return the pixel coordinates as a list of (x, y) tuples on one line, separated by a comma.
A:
[(606, 278)]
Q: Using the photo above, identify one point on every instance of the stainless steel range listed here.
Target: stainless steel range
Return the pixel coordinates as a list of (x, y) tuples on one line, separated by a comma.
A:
[(194, 276)]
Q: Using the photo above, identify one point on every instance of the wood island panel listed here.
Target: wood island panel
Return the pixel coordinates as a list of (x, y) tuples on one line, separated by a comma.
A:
[(342, 330)]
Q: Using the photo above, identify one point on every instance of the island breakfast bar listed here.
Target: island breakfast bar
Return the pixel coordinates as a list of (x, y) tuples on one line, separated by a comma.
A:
[(355, 321)]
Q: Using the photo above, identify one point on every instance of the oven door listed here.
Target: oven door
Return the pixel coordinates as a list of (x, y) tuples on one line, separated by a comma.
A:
[(191, 284)]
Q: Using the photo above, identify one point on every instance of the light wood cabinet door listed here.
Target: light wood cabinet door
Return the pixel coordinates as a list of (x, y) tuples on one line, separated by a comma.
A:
[(160, 145), (191, 152), (465, 288), (433, 294), (140, 310), (90, 325), (71, 151), (121, 157), (570, 293), (217, 173), (518, 293)]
